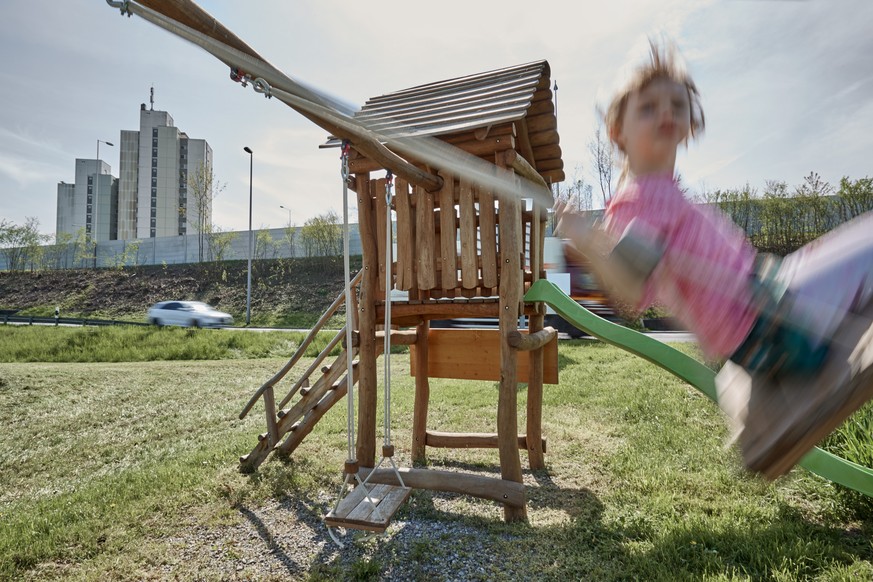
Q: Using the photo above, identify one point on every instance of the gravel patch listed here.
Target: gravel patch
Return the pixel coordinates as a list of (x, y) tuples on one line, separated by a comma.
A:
[(287, 539)]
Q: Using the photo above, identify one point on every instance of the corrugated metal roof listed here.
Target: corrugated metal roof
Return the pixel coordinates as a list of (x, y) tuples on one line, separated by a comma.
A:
[(456, 105), (520, 94)]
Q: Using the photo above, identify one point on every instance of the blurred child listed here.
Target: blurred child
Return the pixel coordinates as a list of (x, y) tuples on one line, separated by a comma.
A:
[(775, 319)]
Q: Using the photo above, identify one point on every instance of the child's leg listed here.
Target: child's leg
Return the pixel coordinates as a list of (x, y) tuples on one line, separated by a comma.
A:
[(779, 418), (830, 277)]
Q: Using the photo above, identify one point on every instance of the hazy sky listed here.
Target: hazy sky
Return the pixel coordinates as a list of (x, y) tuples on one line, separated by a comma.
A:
[(786, 85)]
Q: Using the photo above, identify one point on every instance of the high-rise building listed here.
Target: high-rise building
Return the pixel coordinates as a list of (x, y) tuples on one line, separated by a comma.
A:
[(151, 197), (155, 164), (90, 203)]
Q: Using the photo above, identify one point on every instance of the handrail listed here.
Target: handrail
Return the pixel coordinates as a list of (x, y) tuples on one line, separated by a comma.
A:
[(303, 347)]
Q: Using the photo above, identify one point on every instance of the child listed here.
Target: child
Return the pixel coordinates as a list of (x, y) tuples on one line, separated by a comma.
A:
[(788, 380)]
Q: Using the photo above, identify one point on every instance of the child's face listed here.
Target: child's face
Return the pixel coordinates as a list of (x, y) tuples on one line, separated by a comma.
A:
[(656, 120)]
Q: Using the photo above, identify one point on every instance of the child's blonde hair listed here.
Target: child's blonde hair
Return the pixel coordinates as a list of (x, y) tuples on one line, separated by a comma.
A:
[(663, 63)]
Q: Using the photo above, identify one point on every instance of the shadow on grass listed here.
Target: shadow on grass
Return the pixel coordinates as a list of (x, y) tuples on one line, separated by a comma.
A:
[(587, 545)]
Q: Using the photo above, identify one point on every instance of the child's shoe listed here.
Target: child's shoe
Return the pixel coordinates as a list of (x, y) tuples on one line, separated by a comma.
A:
[(778, 417)]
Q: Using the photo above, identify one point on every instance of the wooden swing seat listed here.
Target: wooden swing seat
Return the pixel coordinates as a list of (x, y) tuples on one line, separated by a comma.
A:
[(368, 507)]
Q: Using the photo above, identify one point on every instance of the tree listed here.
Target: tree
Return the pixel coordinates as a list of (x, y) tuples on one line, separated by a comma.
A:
[(813, 197), (202, 190), (265, 246), (290, 236), (322, 235), (855, 198), (57, 255), (21, 244), (603, 163), (84, 248), (130, 254), (219, 242)]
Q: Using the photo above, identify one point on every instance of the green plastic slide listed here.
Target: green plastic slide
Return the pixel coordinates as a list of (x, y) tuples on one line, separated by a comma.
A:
[(820, 462)]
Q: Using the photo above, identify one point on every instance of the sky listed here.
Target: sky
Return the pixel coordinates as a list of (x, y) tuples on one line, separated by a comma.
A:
[(786, 86)]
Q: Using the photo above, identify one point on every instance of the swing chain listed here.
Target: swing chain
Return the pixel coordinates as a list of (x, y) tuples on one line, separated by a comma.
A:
[(389, 186), (344, 156)]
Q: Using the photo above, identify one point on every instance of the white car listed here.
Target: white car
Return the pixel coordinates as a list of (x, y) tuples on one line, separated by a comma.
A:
[(187, 314)]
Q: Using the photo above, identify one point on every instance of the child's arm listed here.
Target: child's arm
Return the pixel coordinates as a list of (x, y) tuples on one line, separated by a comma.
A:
[(623, 264)]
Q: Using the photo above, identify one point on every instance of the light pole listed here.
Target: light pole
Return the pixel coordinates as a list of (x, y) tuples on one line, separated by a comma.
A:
[(94, 206), (248, 150), (288, 210)]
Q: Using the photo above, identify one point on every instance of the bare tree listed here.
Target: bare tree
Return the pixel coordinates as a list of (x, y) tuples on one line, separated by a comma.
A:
[(202, 190), (603, 163), (813, 196)]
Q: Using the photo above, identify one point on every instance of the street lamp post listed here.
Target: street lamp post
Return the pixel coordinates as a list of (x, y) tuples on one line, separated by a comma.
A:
[(248, 150), (288, 210), (94, 205)]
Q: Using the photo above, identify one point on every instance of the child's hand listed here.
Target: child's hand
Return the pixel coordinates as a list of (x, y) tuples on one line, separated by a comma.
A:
[(571, 225)]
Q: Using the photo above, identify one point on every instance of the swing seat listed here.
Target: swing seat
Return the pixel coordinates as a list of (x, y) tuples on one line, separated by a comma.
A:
[(368, 507)]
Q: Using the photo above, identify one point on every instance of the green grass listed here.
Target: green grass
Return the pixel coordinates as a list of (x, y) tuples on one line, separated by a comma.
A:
[(142, 344), (105, 466)]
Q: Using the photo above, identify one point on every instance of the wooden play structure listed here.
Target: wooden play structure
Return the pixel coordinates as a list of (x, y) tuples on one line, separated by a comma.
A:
[(474, 159), (461, 251)]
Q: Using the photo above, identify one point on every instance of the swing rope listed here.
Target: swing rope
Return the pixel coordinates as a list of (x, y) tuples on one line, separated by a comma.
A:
[(352, 472), (350, 398)]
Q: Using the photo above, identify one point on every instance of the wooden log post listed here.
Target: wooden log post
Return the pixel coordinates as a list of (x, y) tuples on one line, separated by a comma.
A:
[(270, 409), (366, 445), (422, 395), (510, 297)]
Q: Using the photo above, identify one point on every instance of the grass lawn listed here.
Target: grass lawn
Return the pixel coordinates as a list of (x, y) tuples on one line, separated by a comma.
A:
[(106, 466)]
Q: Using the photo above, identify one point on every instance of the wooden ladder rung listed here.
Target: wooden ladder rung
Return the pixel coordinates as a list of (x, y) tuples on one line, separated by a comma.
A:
[(368, 507)]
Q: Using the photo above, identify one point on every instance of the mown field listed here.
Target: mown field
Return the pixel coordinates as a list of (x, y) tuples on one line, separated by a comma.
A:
[(119, 466)]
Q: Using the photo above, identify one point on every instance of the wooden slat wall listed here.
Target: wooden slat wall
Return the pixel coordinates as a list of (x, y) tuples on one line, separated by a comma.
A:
[(448, 234), (425, 239), (405, 237), (378, 192), (447, 241), (469, 253)]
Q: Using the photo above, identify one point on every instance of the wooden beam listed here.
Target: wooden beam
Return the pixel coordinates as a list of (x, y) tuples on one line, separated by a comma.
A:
[(502, 491), (525, 342), (524, 169), (469, 440), (422, 394)]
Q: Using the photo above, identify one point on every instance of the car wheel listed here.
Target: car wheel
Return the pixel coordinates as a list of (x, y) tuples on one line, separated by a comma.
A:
[(194, 323), (155, 321)]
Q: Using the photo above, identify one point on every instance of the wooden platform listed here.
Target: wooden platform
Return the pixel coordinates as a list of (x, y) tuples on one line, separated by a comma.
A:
[(368, 507)]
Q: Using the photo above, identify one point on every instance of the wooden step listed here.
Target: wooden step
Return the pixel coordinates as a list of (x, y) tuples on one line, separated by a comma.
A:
[(368, 507)]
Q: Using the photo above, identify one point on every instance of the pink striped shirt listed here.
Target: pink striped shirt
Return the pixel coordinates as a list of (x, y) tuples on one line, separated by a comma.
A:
[(703, 277)]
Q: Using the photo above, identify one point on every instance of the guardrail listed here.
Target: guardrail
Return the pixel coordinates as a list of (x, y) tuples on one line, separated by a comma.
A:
[(35, 320)]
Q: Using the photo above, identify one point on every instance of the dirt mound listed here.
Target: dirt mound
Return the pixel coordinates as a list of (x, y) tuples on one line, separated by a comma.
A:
[(279, 286)]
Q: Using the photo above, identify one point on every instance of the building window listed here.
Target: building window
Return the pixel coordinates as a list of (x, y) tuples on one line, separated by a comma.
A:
[(90, 180), (154, 132), (154, 202), (154, 214), (154, 143), (154, 182), (154, 192), (90, 201), (152, 233), (154, 172), (154, 162), (154, 152), (153, 223)]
